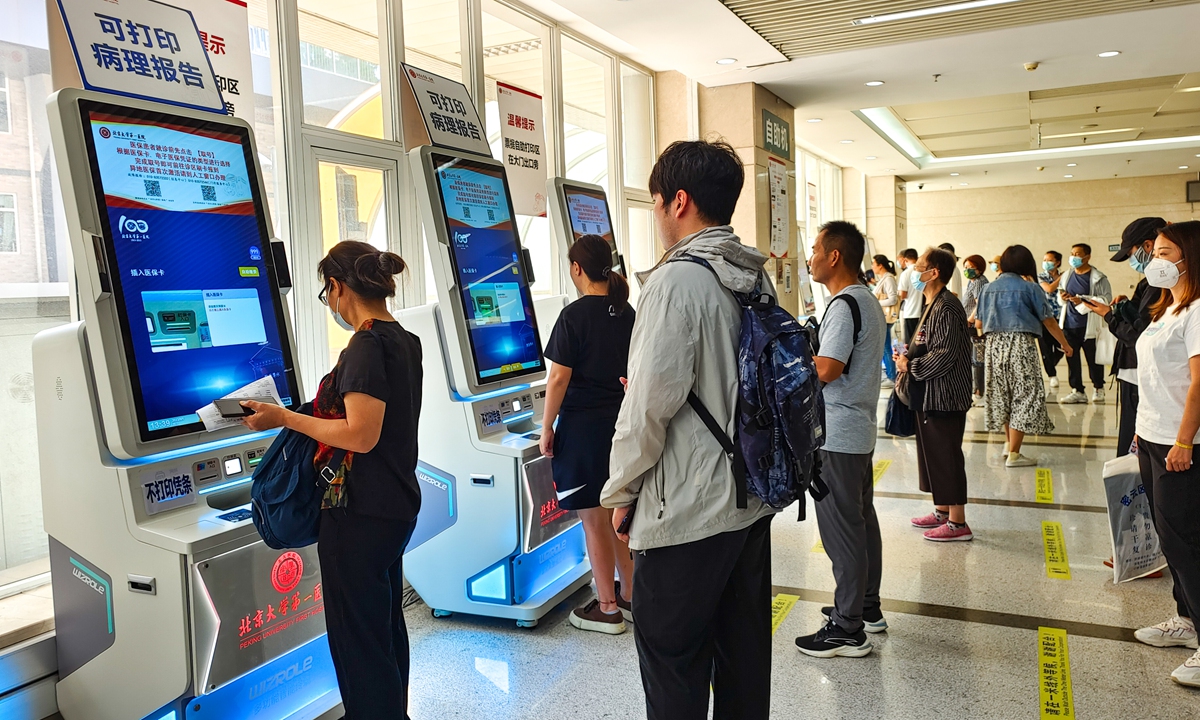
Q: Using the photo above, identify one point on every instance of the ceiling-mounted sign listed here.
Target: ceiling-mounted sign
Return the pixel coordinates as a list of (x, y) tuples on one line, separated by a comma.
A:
[(777, 135), (523, 147), (450, 117), (142, 49), (225, 32)]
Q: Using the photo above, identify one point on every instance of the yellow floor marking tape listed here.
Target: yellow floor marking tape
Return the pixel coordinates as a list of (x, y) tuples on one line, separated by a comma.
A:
[(780, 607), (1056, 551), (880, 468), (1045, 485), (1054, 675), (819, 547)]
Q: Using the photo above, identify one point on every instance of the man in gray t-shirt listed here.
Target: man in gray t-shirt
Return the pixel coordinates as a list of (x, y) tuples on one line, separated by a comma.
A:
[(848, 365)]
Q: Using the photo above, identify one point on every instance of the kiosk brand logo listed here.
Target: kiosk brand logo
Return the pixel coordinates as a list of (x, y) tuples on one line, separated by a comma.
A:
[(291, 672), (461, 239), (132, 229), (86, 580), (287, 573)]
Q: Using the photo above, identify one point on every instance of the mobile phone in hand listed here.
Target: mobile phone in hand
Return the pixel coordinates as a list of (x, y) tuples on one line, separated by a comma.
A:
[(233, 408), (627, 521)]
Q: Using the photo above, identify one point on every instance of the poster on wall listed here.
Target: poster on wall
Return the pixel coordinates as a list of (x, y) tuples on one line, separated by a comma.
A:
[(812, 205), (224, 27), (523, 147), (780, 215)]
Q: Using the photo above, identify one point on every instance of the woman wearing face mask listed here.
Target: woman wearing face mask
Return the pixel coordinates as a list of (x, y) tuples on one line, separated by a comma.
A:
[(1049, 279), (367, 405), (887, 293), (1168, 427), (589, 352), (1012, 312), (976, 282)]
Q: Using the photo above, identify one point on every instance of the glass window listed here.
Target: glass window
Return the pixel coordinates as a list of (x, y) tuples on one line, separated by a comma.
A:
[(585, 113), (8, 223), (5, 127), (432, 37), (339, 65), (644, 248), (637, 122), (266, 108)]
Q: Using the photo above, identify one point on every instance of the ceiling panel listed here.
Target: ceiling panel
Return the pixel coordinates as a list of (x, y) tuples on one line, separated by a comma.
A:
[(801, 28)]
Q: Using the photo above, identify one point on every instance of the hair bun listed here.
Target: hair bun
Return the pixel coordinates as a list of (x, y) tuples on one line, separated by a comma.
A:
[(391, 263)]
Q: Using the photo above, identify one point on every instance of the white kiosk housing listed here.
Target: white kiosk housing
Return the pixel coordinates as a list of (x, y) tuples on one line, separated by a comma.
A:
[(167, 603), (578, 209), (490, 539)]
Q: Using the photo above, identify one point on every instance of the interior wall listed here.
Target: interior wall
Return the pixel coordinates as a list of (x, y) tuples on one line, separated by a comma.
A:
[(1046, 217)]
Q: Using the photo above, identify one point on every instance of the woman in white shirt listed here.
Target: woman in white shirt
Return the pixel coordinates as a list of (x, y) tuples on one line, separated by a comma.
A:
[(889, 299), (1168, 426)]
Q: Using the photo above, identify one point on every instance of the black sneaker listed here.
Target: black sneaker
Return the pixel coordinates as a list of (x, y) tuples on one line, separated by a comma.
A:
[(831, 641), (591, 617), (873, 621)]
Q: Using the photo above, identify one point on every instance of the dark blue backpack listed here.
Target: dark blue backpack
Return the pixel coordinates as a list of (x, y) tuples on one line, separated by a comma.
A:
[(285, 497), (781, 413)]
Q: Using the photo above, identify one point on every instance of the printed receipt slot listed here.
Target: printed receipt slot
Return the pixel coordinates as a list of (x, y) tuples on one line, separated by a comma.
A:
[(167, 604), (490, 539)]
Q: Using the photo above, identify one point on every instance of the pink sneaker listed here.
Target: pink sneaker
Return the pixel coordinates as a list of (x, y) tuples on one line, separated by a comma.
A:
[(945, 533), (929, 521)]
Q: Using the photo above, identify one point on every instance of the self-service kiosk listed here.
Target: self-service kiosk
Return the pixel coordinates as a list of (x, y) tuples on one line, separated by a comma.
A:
[(491, 538), (578, 209), (167, 603)]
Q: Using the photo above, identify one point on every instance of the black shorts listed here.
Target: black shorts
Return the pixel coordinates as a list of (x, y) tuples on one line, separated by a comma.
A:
[(582, 442)]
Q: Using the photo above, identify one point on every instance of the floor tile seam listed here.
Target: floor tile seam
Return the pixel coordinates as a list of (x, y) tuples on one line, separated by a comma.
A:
[(973, 615), (1085, 442), (1027, 504)]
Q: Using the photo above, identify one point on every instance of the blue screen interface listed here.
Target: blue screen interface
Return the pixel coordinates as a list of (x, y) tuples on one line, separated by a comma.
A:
[(189, 260), (487, 255)]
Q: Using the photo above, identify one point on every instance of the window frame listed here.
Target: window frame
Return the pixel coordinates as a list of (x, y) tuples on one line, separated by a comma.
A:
[(6, 90), (16, 224)]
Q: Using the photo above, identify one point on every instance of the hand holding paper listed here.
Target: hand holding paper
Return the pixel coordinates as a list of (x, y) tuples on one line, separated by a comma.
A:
[(262, 389)]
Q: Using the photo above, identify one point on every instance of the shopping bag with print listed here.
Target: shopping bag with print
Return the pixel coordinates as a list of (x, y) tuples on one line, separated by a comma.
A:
[(1136, 550)]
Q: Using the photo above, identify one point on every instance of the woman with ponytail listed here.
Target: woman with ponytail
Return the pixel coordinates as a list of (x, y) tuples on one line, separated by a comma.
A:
[(589, 352), (367, 406)]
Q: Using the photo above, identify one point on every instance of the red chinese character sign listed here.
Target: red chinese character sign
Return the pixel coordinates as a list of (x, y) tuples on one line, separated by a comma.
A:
[(450, 117), (523, 147), (142, 49)]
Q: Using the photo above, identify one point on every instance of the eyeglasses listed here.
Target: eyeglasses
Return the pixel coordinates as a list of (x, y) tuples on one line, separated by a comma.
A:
[(322, 295)]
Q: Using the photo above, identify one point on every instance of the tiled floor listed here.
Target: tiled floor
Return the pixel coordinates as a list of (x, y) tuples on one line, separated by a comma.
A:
[(925, 666)]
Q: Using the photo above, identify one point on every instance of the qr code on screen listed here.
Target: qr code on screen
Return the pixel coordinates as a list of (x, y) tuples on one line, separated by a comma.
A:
[(153, 188), (209, 192)]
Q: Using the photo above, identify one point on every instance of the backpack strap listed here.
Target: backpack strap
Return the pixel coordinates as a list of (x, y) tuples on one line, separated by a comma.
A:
[(732, 451), (856, 316)]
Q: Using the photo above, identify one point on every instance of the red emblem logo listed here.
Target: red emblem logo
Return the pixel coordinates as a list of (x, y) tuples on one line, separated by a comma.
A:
[(288, 571), (105, 133)]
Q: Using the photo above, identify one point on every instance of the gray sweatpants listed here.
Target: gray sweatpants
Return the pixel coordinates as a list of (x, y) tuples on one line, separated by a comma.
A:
[(850, 533)]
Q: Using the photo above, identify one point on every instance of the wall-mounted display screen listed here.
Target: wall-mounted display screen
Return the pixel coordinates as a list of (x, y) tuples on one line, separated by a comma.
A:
[(587, 211), (191, 266), (486, 255)]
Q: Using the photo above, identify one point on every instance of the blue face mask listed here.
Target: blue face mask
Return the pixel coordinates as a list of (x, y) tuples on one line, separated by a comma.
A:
[(1076, 262), (917, 283), (1048, 265), (995, 267), (1139, 260)]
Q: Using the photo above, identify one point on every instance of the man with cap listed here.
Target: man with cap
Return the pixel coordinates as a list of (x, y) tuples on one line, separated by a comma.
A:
[(1128, 318)]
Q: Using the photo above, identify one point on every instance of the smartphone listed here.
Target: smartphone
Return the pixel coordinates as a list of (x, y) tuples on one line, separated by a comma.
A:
[(627, 521), (233, 408)]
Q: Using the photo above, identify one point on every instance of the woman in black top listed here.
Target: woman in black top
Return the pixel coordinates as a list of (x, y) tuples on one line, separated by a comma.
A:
[(939, 362), (589, 349), (367, 405)]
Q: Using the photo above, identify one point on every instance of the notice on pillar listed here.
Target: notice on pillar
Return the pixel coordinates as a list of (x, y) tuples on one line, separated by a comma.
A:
[(523, 150), (142, 49), (781, 216), (225, 33), (812, 205)]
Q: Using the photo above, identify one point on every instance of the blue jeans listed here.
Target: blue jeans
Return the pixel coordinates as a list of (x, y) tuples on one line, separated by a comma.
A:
[(889, 365)]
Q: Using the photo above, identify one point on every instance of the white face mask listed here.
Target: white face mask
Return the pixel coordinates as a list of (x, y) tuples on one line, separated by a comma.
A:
[(335, 311), (1161, 273)]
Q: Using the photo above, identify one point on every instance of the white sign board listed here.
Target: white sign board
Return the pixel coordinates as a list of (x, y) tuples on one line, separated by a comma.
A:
[(167, 489), (225, 32), (523, 147), (781, 217), (450, 117), (142, 49)]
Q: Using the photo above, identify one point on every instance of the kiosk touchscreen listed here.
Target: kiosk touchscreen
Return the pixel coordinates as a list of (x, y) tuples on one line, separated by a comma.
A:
[(166, 601), (580, 209), (490, 539)]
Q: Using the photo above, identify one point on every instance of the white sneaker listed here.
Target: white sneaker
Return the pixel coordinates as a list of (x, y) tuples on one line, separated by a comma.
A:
[(1098, 396), (1189, 672), (1054, 382), (1175, 632), (1016, 459), (978, 402), (1075, 398), (887, 384)]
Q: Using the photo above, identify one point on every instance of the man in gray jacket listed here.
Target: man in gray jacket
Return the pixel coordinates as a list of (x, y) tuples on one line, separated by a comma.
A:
[(702, 565)]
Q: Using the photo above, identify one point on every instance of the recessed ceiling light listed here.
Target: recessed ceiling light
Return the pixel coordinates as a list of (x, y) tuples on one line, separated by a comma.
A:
[(814, 120), (1183, 167), (872, 157), (847, 142), (1068, 176), (726, 61), (1072, 164), (874, 83), (964, 184), (925, 12), (889, 169), (1110, 53), (954, 174)]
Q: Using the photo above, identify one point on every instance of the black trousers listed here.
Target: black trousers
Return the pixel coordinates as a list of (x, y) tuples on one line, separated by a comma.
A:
[(704, 617), (1127, 424), (910, 329), (941, 467), (1051, 352), (1174, 498), (1075, 336), (361, 577)]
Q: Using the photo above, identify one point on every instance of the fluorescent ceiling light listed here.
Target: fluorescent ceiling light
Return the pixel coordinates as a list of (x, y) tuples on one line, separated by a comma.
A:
[(885, 122), (874, 83), (847, 142), (1072, 164), (1068, 176), (814, 120), (726, 61), (1193, 89), (964, 184), (1066, 151), (926, 12), (1109, 53), (1183, 167), (872, 157), (953, 174), (1091, 133)]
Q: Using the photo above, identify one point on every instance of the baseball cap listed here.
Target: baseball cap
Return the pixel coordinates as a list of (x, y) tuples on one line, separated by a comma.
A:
[(1136, 233)]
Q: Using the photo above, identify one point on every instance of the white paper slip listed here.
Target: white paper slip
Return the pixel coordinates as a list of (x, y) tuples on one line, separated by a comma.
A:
[(261, 389)]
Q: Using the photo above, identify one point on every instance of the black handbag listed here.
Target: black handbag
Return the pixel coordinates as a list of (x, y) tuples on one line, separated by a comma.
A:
[(900, 420)]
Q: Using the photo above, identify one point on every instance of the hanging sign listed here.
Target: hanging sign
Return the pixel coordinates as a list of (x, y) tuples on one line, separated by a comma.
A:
[(451, 119), (781, 217), (141, 49), (523, 141), (225, 32), (777, 135)]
